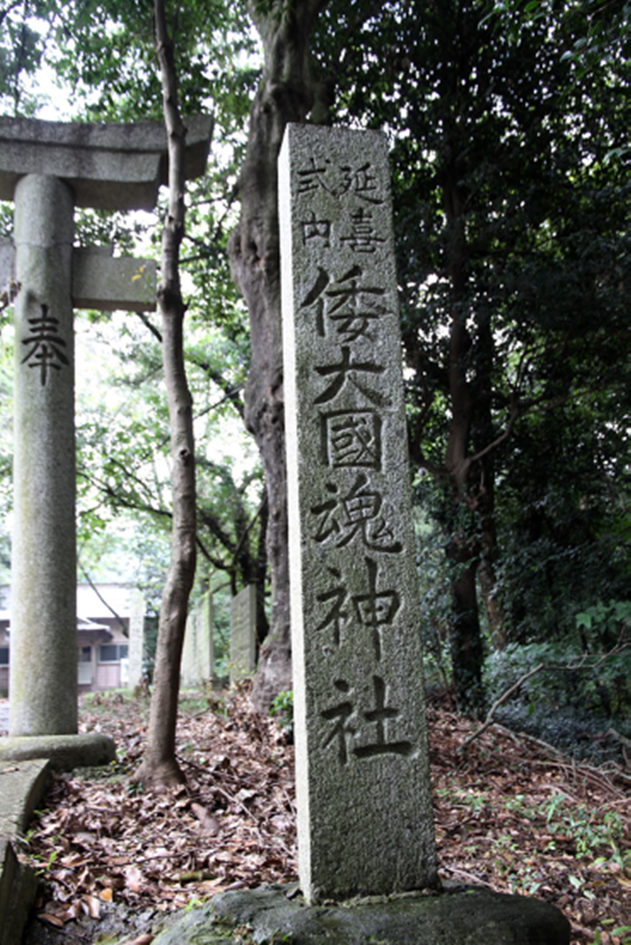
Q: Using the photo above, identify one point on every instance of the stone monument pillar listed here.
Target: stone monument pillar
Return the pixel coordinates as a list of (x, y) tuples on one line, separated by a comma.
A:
[(48, 168), (365, 821)]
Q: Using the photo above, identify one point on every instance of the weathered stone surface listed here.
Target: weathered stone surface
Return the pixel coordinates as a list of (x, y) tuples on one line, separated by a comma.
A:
[(43, 617), (109, 166), (364, 810), (243, 634), (22, 784), (198, 655), (21, 788), (474, 916), (64, 752)]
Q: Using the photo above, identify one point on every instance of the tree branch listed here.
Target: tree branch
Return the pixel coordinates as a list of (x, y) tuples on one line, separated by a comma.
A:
[(568, 667)]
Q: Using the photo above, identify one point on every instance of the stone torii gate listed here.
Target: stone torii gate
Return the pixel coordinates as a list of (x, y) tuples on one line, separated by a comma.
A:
[(48, 168)]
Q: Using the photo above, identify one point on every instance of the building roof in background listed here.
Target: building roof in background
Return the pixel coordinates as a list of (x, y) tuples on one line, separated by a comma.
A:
[(94, 602)]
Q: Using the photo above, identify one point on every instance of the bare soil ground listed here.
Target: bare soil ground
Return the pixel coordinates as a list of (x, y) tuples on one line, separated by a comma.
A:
[(510, 813)]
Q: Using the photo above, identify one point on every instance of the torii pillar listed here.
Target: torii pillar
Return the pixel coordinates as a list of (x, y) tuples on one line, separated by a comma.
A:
[(48, 168)]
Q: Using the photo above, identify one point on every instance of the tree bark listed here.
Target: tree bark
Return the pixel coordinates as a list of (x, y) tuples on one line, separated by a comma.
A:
[(159, 766), (463, 548), (286, 94)]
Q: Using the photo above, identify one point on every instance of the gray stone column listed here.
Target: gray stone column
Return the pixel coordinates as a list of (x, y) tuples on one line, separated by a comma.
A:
[(43, 622)]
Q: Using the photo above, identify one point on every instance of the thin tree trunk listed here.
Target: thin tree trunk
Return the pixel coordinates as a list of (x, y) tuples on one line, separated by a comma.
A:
[(286, 94), (159, 766)]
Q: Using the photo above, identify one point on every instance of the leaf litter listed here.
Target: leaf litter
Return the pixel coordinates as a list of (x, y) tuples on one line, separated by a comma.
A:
[(510, 813)]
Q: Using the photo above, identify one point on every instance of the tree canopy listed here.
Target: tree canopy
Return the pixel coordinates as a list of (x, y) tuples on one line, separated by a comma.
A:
[(508, 125)]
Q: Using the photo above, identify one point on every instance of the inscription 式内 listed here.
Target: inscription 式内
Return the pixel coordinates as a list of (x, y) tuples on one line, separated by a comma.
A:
[(338, 180)]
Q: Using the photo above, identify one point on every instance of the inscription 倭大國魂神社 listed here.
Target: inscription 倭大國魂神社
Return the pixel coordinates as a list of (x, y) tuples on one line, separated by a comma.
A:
[(351, 438), (347, 725), (358, 512), (345, 370), (46, 345), (361, 740), (346, 303), (373, 609)]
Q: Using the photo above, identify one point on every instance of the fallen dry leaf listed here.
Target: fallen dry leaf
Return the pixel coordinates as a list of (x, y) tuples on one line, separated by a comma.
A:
[(234, 824)]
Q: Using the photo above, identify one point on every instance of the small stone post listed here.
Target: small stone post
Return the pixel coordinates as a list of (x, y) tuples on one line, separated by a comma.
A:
[(365, 821), (136, 638), (243, 634), (198, 654)]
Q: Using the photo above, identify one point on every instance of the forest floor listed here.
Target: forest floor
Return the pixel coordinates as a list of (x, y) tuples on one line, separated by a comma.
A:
[(510, 813)]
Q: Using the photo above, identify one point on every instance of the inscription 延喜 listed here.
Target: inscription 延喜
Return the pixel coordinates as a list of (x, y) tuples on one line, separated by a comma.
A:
[(364, 237), (359, 512), (351, 438), (339, 180), (46, 345)]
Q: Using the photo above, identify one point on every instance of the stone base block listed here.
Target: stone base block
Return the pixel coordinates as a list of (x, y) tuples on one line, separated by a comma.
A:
[(18, 887), (21, 788), (64, 751), (457, 916)]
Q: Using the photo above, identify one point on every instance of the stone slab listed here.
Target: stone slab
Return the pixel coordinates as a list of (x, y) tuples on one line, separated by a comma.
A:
[(18, 889), (64, 752), (136, 639), (198, 655), (243, 634), (365, 822), (109, 166), (463, 916), (7, 261)]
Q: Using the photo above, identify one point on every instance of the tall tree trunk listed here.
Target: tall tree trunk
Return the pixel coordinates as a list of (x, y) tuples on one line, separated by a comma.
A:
[(159, 766), (465, 638), (463, 546), (286, 94)]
